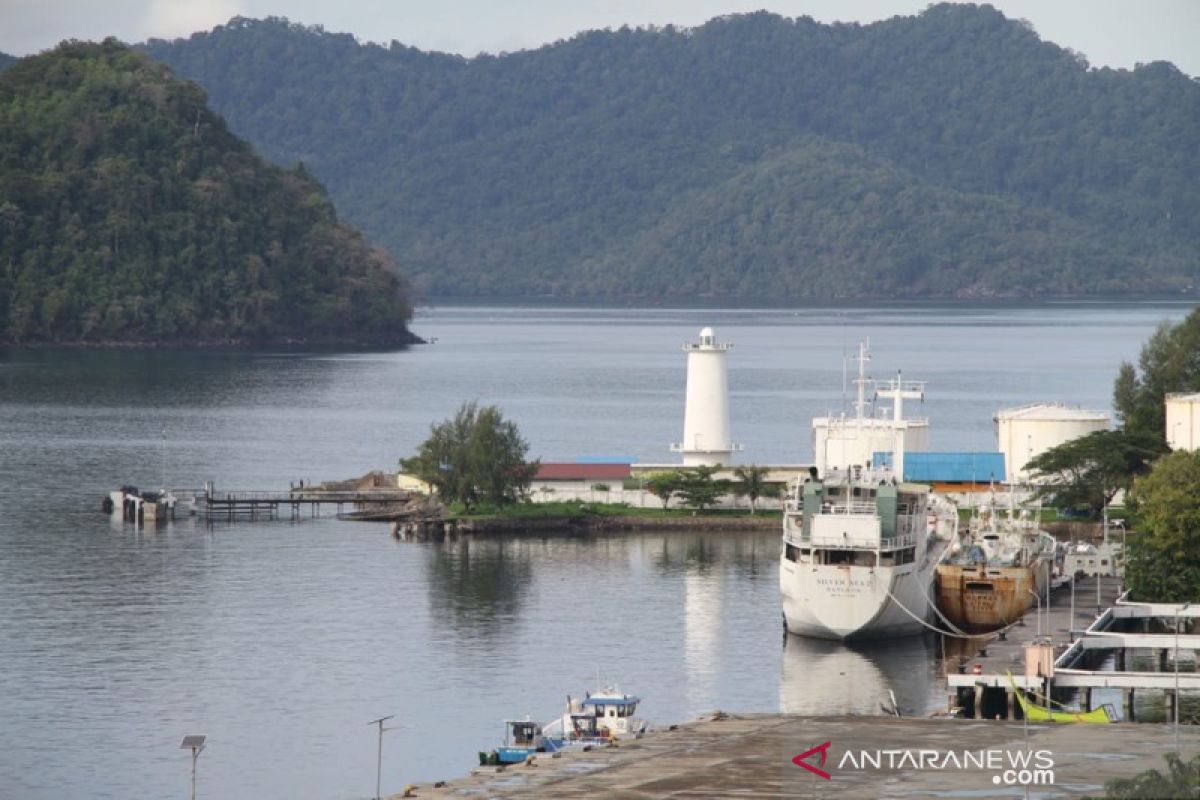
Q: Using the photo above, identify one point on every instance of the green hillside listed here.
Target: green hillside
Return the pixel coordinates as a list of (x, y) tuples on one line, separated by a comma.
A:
[(129, 213), (949, 154)]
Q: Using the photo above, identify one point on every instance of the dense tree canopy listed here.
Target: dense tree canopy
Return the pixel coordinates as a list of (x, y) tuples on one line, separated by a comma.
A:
[(475, 457), (947, 154), (1087, 472), (128, 212), (1169, 362), (1164, 554)]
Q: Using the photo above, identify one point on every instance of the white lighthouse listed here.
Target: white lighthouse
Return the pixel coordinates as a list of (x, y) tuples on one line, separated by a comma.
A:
[(706, 436)]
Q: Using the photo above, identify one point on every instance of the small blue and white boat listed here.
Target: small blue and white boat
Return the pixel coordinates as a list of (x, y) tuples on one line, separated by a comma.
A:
[(598, 718), (522, 738)]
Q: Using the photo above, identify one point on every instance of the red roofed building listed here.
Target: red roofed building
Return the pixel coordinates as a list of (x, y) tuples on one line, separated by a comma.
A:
[(570, 480), (570, 471)]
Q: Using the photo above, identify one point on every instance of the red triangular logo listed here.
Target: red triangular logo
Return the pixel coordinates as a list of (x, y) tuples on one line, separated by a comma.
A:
[(823, 750)]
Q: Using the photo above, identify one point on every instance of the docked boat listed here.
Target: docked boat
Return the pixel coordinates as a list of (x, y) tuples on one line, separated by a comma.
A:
[(859, 552), (1034, 712), (996, 569), (522, 738), (598, 718), (859, 544)]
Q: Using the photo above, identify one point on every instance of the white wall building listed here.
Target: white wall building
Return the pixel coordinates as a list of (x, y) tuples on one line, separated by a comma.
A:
[(1025, 433), (1183, 421)]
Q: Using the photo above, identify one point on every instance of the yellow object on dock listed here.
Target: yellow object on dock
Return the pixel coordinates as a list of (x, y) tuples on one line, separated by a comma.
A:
[(1097, 716)]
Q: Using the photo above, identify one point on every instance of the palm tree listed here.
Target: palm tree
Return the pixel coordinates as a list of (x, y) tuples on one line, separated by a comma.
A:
[(751, 483)]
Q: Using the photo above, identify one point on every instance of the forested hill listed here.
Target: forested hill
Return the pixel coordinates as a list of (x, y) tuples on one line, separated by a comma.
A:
[(6, 60), (129, 213), (949, 154)]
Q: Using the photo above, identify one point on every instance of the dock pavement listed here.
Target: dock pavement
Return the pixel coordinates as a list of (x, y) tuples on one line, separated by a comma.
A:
[(751, 756)]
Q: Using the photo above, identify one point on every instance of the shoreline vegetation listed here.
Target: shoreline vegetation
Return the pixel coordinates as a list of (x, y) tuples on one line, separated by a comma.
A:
[(570, 517), (404, 338)]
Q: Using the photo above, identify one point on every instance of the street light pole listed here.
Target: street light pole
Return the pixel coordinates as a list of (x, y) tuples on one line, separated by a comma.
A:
[(1071, 623), (379, 757), (1038, 598), (195, 743), (1178, 611)]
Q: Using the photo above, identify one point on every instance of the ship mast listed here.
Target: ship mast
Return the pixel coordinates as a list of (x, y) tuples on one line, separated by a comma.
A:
[(898, 391), (860, 406)]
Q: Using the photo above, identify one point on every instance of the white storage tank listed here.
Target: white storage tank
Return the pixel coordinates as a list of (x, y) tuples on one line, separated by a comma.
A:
[(1026, 432), (1183, 421)]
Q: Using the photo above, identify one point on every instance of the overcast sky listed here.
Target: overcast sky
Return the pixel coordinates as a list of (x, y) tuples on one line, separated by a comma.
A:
[(1115, 33)]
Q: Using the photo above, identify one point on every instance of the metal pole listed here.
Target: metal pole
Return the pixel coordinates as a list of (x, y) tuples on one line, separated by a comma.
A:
[(1178, 611), (379, 755), (1038, 598), (1071, 623), (195, 755)]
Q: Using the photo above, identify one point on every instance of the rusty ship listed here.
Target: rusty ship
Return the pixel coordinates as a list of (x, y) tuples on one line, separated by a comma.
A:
[(998, 567)]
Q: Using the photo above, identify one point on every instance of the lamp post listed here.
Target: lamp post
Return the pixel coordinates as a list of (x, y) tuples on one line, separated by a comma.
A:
[(1038, 598), (379, 757), (195, 743), (1178, 611), (1074, 571)]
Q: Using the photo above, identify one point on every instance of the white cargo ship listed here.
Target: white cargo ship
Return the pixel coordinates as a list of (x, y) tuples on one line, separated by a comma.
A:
[(860, 546)]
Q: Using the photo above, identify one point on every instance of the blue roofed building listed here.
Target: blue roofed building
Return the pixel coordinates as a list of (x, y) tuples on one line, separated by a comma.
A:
[(949, 470)]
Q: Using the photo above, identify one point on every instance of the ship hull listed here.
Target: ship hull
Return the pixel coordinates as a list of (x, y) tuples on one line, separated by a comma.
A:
[(979, 599), (855, 603)]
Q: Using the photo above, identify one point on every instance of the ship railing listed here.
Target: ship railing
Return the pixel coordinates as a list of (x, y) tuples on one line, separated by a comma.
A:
[(849, 507), (846, 542), (858, 543)]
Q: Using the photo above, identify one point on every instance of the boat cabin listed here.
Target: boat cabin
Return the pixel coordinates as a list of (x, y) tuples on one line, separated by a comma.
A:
[(613, 713), (521, 733)]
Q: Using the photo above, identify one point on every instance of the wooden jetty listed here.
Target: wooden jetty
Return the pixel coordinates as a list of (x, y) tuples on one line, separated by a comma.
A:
[(291, 504), (149, 507)]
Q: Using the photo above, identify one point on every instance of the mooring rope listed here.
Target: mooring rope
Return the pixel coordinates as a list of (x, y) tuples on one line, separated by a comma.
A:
[(933, 628)]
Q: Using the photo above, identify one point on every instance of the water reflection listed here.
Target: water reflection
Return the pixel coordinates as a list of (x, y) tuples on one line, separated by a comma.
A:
[(478, 586), (702, 612), (745, 555), (824, 677)]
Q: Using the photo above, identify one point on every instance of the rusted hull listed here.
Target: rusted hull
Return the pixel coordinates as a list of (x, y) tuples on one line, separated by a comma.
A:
[(981, 599)]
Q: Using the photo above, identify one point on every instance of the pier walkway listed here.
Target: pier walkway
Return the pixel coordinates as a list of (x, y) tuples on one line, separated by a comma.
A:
[(292, 504), (1094, 640), (990, 658)]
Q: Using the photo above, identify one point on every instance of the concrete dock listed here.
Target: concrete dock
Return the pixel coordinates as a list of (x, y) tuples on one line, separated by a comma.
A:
[(751, 756)]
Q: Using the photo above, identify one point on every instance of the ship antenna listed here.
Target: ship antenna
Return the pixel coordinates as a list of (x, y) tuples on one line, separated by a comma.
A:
[(845, 377)]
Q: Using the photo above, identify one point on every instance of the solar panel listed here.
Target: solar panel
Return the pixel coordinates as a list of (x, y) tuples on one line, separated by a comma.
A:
[(192, 742)]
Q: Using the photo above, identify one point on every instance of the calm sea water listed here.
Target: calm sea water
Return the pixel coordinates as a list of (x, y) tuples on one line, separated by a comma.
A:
[(280, 641)]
